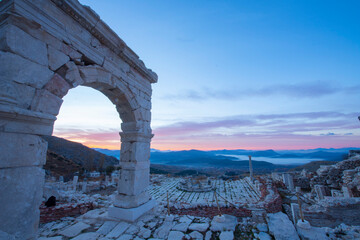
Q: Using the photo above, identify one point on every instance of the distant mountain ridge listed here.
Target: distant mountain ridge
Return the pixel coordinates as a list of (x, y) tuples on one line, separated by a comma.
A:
[(87, 158), (328, 154)]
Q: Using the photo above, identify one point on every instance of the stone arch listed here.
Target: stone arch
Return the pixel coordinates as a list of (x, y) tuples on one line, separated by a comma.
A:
[(48, 47)]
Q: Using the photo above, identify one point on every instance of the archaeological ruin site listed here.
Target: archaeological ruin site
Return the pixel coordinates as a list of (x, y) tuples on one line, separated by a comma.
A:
[(49, 47)]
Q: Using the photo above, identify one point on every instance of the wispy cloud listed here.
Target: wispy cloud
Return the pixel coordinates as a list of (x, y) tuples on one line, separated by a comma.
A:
[(297, 90), (272, 123), (275, 131)]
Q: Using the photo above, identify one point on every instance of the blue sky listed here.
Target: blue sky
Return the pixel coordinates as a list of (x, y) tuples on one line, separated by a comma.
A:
[(234, 74)]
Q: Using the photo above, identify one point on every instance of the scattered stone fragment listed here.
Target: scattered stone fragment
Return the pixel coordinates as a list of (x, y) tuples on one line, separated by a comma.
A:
[(87, 236), (106, 227), (145, 233), (132, 229), (163, 230), (262, 227), (208, 235), (42, 238), (176, 235), (226, 235), (201, 227), (287, 229), (223, 223), (125, 237), (182, 227), (196, 235), (118, 230), (264, 236)]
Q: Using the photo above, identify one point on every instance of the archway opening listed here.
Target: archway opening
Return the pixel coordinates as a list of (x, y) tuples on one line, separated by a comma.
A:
[(85, 137)]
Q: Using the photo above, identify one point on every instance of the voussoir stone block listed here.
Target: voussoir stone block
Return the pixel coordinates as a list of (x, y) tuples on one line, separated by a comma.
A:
[(58, 86), (15, 40), (56, 58), (73, 74), (21, 196), (24, 71), (91, 74), (19, 150), (46, 102)]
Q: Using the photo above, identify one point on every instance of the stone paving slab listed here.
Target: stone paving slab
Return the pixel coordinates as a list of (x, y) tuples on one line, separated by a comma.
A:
[(107, 227), (87, 236), (74, 230), (118, 230)]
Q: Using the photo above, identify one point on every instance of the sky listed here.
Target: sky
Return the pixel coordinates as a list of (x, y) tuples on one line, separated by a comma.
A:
[(233, 75)]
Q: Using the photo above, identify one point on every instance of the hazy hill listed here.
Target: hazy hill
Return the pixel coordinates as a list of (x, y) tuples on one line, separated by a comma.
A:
[(57, 165), (86, 157), (195, 158), (312, 166)]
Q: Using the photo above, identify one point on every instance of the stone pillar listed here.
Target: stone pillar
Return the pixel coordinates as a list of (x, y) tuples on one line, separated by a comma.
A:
[(84, 184), (288, 181), (23, 153), (295, 212), (251, 169), (106, 180), (320, 191), (347, 192), (75, 181), (133, 200)]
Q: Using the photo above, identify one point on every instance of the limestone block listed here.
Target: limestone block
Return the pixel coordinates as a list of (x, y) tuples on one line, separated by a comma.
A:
[(21, 194), (264, 236), (18, 120), (131, 201), (71, 52), (91, 74), (176, 235), (196, 235), (25, 94), (226, 235), (228, 223), (118, 230), (58, 86), (107, 227), (133, 182), (131, 214), (144, 233), (73, 75), (46, 102), (87, 236), (19, 150), (13, 39), (201, 227), (128, 237), (116, 66), (74, 230), (142, 131), (163, 231), (295, 212), (182, 227), (287, 229), (23, 71), (56, 58), (145, 103), (135, 152)]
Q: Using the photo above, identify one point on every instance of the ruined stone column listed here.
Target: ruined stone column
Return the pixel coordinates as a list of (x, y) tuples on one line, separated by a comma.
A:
[(133, 200), (251, 169)]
